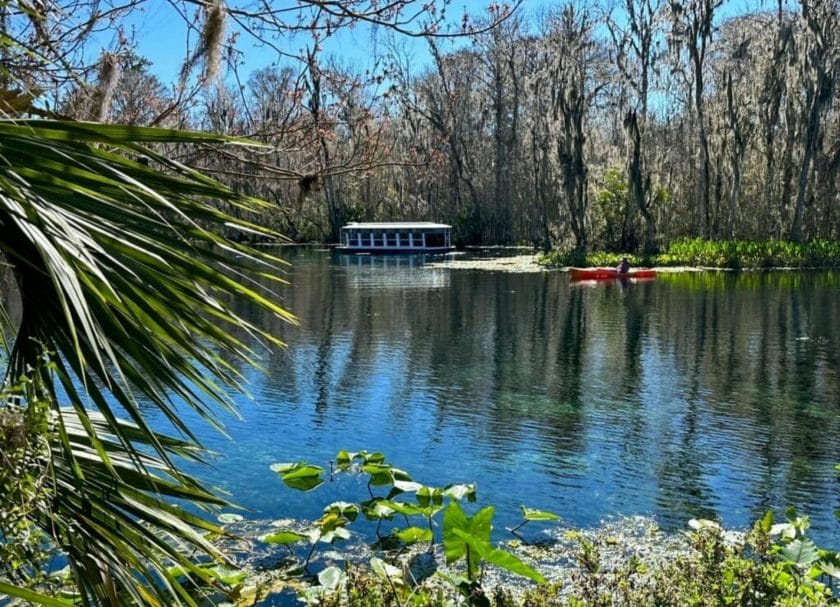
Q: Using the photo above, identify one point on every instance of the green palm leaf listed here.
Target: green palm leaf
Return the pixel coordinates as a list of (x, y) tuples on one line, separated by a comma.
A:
[(127, 282)]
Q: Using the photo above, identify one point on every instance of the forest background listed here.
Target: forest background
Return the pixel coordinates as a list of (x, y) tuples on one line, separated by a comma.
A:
[(619, 126)]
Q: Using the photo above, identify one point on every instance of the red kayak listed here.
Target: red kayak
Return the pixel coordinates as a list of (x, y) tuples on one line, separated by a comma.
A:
[(609, 273)]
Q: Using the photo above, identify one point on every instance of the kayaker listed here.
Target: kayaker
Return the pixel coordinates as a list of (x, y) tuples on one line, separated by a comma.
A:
[(624, 266)]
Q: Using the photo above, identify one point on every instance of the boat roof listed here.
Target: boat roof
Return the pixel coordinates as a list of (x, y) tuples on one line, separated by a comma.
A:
[(396, 225)]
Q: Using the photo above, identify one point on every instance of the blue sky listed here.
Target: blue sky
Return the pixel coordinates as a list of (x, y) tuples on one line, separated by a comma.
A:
[(162, 36)]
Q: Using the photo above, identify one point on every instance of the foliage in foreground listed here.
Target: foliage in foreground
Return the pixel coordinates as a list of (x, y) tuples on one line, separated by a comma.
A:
[(127, 286), (771, 566), (733, 254), (774, 565)]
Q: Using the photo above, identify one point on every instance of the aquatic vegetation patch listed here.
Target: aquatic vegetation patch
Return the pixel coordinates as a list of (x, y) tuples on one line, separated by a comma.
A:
[(697, 252)]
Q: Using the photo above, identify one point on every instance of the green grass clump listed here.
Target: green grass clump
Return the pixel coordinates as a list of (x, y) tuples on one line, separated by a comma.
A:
[(732, 254)]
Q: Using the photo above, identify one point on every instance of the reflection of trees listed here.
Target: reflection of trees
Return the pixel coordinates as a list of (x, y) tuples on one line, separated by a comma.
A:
[(763, 353), (671, 388)]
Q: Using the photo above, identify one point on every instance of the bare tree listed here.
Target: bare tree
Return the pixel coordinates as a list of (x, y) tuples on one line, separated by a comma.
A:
[(821, 66), (571, 56), (692, 31), (637, 35)]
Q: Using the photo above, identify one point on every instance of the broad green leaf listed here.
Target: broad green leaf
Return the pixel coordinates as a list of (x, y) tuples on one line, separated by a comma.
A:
[(412, 535), (538, 515), (802, 553), (344, 458), (429, 495), (481, 523), (378, 509), (300, 475), (227, 575), (400, 475), (403, 508), (461, 491), (346, 509), (331, 578), (830, 569), (499, 558), (380, 474), (331, 520), (373, 458), (283, 537), (454, 518)]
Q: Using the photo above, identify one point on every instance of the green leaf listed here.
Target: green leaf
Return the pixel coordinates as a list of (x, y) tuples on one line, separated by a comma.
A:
[(802, 553), (346, 509), (373, 458), (139, 300), (412, 535), (538, 515), (227, 575), (766, 523), (283, 537), (830, 569), (30, 595), (344, 458), (481, 523), (332, 578), (429, 495), (460, 491), (403, 508), (378, 509), (454, 518), (380, 474), (499, 558), (299, 475)]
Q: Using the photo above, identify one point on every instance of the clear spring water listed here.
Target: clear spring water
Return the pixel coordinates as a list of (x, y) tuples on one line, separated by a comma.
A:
[(710, 395)]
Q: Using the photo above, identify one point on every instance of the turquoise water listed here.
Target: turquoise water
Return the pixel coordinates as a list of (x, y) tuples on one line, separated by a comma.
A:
[(695, 395)]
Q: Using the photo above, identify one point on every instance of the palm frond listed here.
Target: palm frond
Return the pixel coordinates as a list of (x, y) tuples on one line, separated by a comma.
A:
[(127, 281)]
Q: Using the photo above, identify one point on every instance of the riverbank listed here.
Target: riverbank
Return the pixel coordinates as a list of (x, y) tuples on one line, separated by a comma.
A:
[(526, 263), (624, 562), (271, 570)]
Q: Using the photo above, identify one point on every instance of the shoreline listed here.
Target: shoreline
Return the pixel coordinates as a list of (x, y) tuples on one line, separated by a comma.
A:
[(528, 264)]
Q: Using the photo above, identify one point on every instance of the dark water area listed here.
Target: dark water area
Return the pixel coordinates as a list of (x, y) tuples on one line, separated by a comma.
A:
[(712, 395)]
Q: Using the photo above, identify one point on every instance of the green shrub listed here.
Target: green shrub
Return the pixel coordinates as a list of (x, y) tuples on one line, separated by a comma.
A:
[(697, 252)]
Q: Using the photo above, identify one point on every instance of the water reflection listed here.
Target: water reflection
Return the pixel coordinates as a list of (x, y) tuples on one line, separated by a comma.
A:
[(709, 395)]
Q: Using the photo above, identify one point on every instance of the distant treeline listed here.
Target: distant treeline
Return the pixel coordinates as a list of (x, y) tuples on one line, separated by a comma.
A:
[(578, 128)]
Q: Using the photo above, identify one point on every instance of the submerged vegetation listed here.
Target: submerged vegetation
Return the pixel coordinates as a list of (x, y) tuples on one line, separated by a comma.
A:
[(731, 254), (425, 562)]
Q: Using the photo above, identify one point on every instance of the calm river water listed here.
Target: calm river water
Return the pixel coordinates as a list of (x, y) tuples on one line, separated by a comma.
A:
[(694, 395)]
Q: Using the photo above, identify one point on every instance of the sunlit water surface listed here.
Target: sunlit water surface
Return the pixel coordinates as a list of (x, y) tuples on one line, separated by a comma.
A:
[(710, 395)]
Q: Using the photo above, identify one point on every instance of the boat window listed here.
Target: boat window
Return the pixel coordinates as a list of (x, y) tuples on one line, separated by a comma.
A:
[(435, 240), (391, 239)]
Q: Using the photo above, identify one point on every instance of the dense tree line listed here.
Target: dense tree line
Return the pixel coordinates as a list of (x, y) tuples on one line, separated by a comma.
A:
[(575, 127)]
